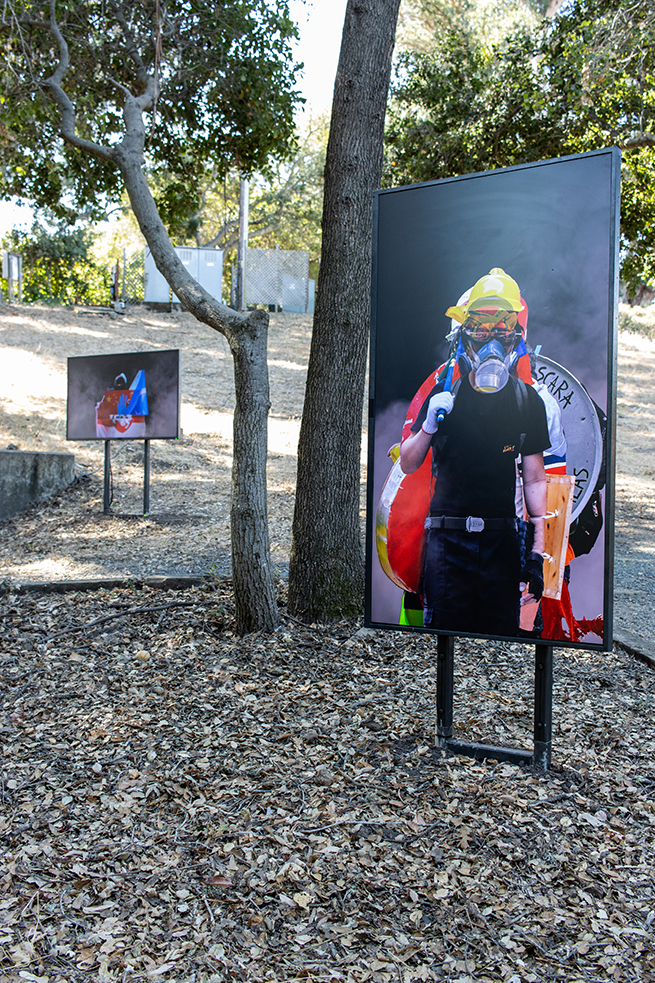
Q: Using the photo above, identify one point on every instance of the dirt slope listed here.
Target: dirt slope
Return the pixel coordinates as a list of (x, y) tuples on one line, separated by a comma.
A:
[(188, 529)]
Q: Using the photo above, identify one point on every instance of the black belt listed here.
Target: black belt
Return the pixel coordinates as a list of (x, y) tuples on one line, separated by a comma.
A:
[(469, 523)]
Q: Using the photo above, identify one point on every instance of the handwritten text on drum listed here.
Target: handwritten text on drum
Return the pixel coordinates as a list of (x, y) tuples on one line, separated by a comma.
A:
[(556, 386), (581, 481)]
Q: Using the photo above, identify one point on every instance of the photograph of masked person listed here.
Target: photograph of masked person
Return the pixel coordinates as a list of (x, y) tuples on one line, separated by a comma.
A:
[(484, 426)]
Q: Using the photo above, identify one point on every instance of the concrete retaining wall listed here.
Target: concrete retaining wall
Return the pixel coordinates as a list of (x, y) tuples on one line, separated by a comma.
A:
[(28, 478)]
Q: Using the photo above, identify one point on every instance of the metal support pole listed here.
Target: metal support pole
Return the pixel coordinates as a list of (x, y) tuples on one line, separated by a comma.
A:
[(543, 711), (146, 477), (107, 499), (244, 193), (116, 276), (445, 684), (278, 279), (543, 706)]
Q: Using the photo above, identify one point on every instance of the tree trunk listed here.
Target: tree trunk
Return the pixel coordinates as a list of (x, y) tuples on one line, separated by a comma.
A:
[(326, 576), (254, 589), (256, 606)]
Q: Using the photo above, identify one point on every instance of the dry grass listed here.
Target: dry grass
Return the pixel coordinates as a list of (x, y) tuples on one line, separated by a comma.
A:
[(638, 320), (188, 530)]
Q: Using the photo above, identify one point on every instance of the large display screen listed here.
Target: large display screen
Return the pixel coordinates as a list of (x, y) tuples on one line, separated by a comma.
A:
[(490, 472)]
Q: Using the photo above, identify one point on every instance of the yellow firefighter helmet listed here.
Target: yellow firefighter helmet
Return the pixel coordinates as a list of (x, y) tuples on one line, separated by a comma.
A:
[(495, 290)]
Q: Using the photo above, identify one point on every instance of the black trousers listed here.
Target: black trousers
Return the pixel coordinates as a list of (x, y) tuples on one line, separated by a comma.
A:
[(471, 581)]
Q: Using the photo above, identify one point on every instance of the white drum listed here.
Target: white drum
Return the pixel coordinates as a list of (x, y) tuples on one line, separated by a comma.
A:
[(584, 439)]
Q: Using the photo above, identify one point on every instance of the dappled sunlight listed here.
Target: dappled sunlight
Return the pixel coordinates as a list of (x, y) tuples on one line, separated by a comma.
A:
[(157, 324), (279, 364), (195, 420), (630, 343), (211, 353), (181, 474), (283, 436), (38, 407), (32, 396), (48, 328), (639, 405), (282, 433), (24, 375), (638, 486), (57, 568), (30, 416), (106, 530), (281, 483), (47, 324)]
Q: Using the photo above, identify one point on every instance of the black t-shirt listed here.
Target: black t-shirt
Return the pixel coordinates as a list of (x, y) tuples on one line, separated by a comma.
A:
[(476, 446)]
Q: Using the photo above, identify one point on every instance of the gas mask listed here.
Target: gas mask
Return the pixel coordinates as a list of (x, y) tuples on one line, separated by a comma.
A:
[(486, 323), (491, 366)]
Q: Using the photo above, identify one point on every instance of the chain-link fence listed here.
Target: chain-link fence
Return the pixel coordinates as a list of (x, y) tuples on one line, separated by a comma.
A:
[(127, 279), (278, 278)]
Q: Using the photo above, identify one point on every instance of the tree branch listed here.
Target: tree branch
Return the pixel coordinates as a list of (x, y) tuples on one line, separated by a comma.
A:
[(227, 229), (131, 46), (638, 139), (54, 84), (124, 614), (119, 85), (149, 81)]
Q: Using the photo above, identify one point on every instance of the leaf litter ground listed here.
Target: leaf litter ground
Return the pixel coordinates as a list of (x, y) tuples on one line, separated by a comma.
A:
[(181, 804)]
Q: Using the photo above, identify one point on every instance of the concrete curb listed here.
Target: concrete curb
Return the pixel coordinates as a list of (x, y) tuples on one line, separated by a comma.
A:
[(630, 642), (29, 478), (65, 586)]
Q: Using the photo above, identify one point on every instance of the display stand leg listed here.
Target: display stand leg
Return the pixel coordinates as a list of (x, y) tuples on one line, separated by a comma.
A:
[(445, 678), (146, 477), (107, 496), (543, 706), (543, 711)]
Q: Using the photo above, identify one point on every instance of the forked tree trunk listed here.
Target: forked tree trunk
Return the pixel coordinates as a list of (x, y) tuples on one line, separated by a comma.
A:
[(256, 606), (326, 576), (252, 572)]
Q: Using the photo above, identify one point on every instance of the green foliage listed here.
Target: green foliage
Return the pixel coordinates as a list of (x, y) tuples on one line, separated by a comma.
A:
[(638, 218), (224, 97), (493, 20), (285, 204), (581, 81), (58, 266), (638, 320)]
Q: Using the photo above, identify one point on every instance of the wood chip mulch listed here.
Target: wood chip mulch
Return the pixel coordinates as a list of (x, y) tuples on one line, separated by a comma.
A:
[(181, 804)]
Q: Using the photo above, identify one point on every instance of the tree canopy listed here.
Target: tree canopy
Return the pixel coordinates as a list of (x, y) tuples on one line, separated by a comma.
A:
[(285, 202), (186, 85), (579, 81), (223, 95)]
